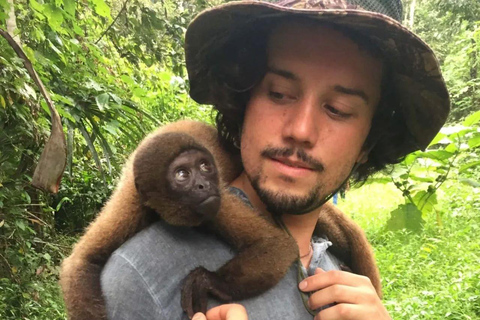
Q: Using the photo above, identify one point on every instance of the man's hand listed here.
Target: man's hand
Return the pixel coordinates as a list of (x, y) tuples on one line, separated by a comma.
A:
[(354, 295), (224, 312)]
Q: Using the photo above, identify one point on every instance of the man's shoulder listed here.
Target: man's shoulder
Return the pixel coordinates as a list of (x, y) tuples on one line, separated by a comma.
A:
[(162, 244)]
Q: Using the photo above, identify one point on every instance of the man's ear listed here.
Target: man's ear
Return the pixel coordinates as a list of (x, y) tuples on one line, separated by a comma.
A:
[(363, 156)]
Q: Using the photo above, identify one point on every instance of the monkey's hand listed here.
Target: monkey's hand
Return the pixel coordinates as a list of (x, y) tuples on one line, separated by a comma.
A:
[(196, 288)]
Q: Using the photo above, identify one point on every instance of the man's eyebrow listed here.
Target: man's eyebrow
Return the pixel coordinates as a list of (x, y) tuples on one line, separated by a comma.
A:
[(282, 73), (353, 92)]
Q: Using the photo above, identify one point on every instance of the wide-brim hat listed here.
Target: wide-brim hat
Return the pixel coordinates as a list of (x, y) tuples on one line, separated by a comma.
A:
[(422, 99)]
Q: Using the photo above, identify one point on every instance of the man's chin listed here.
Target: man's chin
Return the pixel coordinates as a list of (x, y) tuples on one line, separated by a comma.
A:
[(280, 202)]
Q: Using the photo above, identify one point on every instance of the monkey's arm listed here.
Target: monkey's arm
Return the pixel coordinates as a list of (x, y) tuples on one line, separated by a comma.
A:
[(265, 253), (119, 220), (349, 243)]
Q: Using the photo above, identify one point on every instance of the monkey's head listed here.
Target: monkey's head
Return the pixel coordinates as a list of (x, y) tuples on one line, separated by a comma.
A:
[(178, 178)]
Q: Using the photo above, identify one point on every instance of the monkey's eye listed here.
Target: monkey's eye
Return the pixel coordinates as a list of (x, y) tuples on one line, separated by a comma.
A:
[(181, 175), (205, 166)]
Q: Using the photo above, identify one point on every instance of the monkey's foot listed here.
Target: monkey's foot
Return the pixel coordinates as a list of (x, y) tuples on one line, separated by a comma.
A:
[(196, 288)]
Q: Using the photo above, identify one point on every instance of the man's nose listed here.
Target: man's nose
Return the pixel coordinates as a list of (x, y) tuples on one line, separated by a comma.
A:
[(301, 126)]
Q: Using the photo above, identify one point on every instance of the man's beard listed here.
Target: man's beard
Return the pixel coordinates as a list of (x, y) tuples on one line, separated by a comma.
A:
[(278, 203)]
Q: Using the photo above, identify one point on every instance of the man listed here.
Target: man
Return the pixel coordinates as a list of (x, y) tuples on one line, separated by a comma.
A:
[(309, 92)]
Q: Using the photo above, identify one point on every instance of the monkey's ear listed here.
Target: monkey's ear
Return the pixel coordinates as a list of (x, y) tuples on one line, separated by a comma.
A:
[(137, 187)]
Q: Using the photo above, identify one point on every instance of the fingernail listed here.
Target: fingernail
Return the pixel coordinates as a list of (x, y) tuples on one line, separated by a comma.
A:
[(197, 316), (302, 285)]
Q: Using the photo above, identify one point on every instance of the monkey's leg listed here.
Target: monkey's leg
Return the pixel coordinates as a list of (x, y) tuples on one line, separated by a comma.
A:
[(265, 253), (120, 219)]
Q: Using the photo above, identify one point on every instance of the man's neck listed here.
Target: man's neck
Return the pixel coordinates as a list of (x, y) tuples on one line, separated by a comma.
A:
[(301, 227)]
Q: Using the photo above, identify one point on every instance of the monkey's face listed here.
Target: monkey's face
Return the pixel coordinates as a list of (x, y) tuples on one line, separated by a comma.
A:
[(192, 180)]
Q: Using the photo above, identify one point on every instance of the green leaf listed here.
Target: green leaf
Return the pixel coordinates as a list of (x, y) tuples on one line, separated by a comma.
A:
[(93, 85), (472, 119), (452, 147), (70, 6), (474, 142), (102, 101), (116, 98), (469, 165), (54, 16), (437, 138), (436, 154), (410, 158), (36, 6), (101, 8), (2, 102), (128, 80), (421, 178), (47, 257), (20, 224), (64, 199), (425, 200), (469, 182), (405, 216)]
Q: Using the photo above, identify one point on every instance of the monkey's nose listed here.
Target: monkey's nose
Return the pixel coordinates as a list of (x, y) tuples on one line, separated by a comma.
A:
[(205, 185)]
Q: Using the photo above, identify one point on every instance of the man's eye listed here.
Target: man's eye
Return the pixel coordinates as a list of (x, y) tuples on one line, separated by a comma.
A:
[(337, 113), (276, 95), (181, 175), (205, 166)]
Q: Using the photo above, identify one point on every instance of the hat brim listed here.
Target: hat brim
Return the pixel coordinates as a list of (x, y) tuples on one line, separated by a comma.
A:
[(417, 80)]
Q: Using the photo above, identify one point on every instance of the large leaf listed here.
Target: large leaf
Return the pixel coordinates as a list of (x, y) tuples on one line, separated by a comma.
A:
[(469, 165), (472, 119), (101, 8), (425, 200), (474, 142), (102, 101), (439, 155), (405, 216)]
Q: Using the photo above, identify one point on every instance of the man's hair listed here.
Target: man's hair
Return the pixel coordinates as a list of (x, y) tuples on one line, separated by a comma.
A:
[(246, 66)]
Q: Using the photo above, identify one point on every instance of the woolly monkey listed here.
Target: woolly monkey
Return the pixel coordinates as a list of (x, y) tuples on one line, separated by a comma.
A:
[(177, 173)]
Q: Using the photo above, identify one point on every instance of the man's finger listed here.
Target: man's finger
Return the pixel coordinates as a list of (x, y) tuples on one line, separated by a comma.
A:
[(338, 294), (227, 312), (323, 280)]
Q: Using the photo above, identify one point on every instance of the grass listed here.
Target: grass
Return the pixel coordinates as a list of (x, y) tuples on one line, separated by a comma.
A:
[(432, 275)]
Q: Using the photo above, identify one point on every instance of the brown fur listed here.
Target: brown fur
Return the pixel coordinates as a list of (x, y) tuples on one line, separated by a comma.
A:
[(349, 243)]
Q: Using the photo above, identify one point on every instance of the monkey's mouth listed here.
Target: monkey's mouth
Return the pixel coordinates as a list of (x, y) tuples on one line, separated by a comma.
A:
[(209, 207)]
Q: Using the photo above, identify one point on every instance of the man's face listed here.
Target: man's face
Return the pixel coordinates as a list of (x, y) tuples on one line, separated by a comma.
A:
[(307, 120)]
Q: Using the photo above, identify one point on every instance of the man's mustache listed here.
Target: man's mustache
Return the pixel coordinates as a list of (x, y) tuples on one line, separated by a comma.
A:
[(271, 152)]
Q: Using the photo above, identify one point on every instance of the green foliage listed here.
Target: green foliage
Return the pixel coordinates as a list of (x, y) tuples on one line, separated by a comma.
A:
[(452, 28), (428, 275), (420, 175), (115, 71)]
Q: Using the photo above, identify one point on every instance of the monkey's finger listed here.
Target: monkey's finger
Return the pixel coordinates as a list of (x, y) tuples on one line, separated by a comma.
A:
[(187, 296), (227, 312)]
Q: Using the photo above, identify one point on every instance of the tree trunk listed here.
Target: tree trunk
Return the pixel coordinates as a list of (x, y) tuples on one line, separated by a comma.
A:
[(12, 22), (412, 13)]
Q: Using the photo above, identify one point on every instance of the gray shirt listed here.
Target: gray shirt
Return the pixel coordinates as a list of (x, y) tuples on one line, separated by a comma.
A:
[(143, 278)]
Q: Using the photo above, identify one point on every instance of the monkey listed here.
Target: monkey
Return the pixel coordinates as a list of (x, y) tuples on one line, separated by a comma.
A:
[(149, 190), (177, 174)]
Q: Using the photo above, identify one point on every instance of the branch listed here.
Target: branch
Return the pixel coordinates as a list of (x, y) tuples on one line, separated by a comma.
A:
[(124, 6)]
